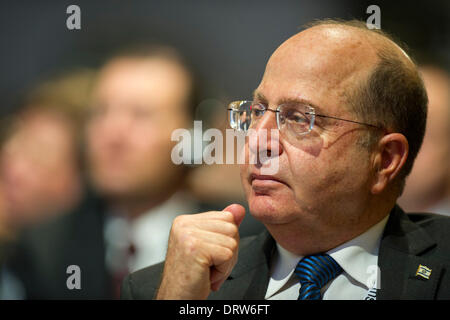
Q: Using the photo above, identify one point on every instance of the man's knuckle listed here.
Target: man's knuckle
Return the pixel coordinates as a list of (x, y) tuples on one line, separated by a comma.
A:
[(233, 245), (228, 254), (233, 229), (190, 244)]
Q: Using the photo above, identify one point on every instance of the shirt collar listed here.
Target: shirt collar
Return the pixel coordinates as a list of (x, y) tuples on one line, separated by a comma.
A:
[(282, 269), (355, 257), (359, 256)]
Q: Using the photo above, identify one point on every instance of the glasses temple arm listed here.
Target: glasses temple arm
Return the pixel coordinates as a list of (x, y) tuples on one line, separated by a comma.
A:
[(367, 124)]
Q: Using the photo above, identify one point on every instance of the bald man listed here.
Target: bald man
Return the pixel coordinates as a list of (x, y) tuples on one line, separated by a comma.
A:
[(347, 118)]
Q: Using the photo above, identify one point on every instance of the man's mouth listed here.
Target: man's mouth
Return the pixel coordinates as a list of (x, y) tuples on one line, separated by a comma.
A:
[(258, 181)]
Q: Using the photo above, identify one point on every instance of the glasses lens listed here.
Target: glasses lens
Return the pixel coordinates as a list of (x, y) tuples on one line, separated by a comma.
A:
[(296, 118), (258, 111), (240, 115)]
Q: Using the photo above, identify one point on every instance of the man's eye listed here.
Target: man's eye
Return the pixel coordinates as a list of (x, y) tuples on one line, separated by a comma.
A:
[(295, 116), (257, 111)]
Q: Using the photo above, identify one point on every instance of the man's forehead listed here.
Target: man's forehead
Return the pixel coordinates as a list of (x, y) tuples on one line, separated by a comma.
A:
[(317, 64), (152, 78), (328, 35), (328, 48)]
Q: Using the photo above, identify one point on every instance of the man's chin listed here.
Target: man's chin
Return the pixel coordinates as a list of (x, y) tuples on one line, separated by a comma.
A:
[(116, 188), (265, 209)]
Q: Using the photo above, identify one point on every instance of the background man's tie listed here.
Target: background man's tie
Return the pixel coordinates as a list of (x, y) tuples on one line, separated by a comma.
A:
[(314, 272)]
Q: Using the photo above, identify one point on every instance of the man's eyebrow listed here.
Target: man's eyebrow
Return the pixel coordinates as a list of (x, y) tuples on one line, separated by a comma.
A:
[(259, 96)]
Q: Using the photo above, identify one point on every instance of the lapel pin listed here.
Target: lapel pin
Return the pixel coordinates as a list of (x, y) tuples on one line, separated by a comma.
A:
[(423, 272)]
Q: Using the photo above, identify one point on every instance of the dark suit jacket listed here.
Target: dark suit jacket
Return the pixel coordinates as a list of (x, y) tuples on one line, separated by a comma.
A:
[(407, 242), (43, 253)]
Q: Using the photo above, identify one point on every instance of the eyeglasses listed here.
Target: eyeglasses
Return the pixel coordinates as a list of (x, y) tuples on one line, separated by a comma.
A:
[(292, 118)]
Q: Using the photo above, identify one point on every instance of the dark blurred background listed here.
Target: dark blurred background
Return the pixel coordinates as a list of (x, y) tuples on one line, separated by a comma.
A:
[(228, 41)]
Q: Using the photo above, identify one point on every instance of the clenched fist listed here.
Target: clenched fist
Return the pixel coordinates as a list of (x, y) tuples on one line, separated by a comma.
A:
[(201, 253)]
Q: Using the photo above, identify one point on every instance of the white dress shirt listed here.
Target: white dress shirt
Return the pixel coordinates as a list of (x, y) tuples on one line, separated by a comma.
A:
[(149, 234), (358, 258)]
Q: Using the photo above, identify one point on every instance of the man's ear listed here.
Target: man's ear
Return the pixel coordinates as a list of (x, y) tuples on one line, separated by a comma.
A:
[(391, 154)]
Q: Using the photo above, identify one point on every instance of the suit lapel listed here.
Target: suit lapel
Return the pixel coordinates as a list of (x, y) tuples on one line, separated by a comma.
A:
[(250, 277), (401, 256), (260, 279)]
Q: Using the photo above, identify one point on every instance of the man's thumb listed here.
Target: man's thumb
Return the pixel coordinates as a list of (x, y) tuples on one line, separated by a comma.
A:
[(238, 212)]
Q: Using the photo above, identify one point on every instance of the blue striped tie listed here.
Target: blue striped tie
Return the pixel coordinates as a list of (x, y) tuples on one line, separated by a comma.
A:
[(314, 272)]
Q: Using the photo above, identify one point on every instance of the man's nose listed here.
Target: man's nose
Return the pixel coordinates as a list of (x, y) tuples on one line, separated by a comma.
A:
[(264, 138), (114, 127)]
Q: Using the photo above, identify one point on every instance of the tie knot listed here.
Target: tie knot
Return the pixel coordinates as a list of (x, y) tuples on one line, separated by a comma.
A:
[(314, 272)]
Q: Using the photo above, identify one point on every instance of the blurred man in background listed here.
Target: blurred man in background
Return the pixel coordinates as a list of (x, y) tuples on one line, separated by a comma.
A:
[(141, 97), (428, 186)]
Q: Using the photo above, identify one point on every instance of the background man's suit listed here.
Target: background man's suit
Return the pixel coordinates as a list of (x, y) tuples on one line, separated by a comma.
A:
[(407, 242)]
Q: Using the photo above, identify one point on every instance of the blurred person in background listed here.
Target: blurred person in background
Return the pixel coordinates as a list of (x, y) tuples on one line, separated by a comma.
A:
[(38, 167), (428, 186), (140, 97), (8, 283), (5, 234), (40, 161), (40, 157)]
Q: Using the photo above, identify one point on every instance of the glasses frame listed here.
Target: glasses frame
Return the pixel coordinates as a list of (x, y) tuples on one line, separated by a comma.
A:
[(311, 112)]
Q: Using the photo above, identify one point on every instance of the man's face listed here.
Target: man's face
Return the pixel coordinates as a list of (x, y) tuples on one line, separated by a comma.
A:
[(137, 104), (324, 174), (38, 167)]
